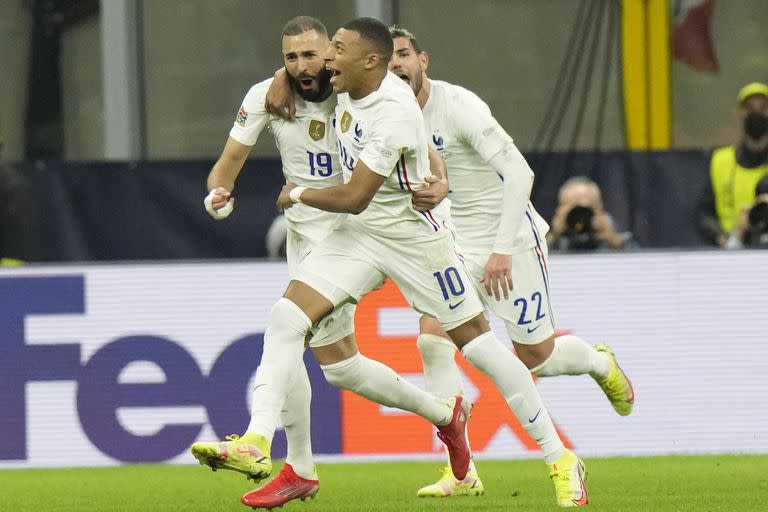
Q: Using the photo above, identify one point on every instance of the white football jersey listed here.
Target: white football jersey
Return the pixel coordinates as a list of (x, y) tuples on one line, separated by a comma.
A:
[(386, 131), (463, 131), (307, 149)]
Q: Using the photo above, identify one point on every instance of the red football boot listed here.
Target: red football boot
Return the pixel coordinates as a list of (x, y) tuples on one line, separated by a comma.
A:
[(454, 435), (286, 486)]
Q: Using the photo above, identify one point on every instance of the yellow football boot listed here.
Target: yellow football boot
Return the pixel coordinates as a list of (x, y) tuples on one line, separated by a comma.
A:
[(568, 475), (448, 485), (237, 454), (616, 386)]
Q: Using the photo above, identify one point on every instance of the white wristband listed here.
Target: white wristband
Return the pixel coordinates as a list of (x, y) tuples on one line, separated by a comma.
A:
[(295, 194), (221, 213)]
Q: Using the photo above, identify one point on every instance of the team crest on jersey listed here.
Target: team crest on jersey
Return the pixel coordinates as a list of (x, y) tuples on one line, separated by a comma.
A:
[(346, 120), (242, 117), (316, 129), (438, 141)]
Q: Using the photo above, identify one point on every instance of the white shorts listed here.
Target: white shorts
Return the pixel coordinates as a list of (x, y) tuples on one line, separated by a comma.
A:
[(338, 324), (527, 314), (351, 262)]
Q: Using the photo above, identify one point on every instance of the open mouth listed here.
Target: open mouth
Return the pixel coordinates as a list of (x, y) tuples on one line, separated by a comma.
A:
[(334, 73), (307, 83), (405, 78)]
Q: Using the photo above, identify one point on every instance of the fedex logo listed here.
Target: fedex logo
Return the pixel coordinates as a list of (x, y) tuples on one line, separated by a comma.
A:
[(222, 392)]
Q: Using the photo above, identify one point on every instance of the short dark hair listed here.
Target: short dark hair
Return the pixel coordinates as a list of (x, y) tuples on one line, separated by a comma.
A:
[(300, 24), (376, 33), (396, 32)]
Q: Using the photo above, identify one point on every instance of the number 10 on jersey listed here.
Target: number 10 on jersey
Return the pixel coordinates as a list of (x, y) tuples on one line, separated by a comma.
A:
[(320, 164), (452, 278)]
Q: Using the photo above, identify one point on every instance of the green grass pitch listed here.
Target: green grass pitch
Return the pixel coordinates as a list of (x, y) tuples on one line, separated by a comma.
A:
[(654, 484)]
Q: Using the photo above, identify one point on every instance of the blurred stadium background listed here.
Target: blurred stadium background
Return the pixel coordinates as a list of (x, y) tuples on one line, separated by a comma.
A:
[(111, 115)]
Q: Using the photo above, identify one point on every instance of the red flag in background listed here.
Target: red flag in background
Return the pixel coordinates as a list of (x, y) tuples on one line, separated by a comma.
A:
[(691, 36)]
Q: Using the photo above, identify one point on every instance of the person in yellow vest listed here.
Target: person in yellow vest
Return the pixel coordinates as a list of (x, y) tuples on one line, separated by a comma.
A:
[(735, 170)]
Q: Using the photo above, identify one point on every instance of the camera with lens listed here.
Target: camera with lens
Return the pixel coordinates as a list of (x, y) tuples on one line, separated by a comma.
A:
[(756, 233), (579, 230)]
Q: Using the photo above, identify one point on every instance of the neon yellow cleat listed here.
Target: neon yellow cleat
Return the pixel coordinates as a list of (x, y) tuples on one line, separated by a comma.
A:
[(236, 455), (568, 475), (448, 485), (616, 386)]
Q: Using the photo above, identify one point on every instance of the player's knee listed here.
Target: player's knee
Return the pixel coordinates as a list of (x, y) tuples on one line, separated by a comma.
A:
[(469, 330), (430, 325), (287, 319), (535, 357), (344, 374), (433, 347)]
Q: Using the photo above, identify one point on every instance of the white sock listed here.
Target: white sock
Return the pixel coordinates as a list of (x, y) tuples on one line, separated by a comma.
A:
[(574, 356), (441, 374), (280, 362), (295, 418), (514, 381), (380, 384)]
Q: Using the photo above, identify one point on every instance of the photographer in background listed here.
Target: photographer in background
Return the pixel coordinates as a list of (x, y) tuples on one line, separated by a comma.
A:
[(580, 222), (752, 230), (735, 170)]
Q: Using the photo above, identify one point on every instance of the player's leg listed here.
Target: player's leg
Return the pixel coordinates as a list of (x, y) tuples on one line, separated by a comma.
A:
[(346, 368), (298, 479), (289, 323), (440, 285), (570, 355), (356, 272), (295, 417), (295, 414), (442, 378), (530, 324), (441, 374), (512, 378)]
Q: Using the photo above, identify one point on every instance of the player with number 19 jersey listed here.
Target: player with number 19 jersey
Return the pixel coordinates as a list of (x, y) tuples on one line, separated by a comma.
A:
[(307, 149), (308, 152)]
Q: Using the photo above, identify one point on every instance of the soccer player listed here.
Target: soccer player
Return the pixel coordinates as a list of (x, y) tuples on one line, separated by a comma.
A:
[(309, 157), (308, 154), (383, 148), (502, 238)]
